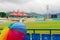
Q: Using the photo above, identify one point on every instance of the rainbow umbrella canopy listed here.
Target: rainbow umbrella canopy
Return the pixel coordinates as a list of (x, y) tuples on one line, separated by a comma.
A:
[(16, 31)]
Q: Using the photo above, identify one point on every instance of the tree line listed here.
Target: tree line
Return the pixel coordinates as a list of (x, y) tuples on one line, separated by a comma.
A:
[(2, 14)]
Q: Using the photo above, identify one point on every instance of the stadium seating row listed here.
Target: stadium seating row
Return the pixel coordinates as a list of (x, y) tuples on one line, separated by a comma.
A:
[(44, 37)]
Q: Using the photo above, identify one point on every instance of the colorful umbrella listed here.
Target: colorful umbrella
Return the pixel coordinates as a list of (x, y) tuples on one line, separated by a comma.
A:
[(19, 27), (16, 31)]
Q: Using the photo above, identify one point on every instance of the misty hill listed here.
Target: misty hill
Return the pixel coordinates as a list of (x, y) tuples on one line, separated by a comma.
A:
[(34, 14), (29, 14)]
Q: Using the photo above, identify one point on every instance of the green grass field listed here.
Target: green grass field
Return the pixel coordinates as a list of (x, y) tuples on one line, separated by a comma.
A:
[(43, 25), (39, 25)]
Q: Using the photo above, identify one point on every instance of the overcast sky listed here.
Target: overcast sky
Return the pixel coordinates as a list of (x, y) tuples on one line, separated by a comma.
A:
[(38, 6)]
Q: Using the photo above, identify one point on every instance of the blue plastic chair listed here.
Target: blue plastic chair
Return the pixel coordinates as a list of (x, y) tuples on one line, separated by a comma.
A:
[(35, 36), (46, 37), (56, 36), (27, 36)]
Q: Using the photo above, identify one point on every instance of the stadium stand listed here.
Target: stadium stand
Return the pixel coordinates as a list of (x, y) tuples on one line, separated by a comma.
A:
[(27, 36), (35, 36), (56, 36), (46, 37)]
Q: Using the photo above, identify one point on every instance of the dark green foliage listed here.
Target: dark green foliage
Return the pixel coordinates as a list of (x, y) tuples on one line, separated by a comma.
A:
[(2, 14)]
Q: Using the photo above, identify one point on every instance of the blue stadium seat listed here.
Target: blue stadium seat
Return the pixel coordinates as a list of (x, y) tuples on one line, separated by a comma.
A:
[(46, 37), (27, 36), (35, 36), (56, 36)]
